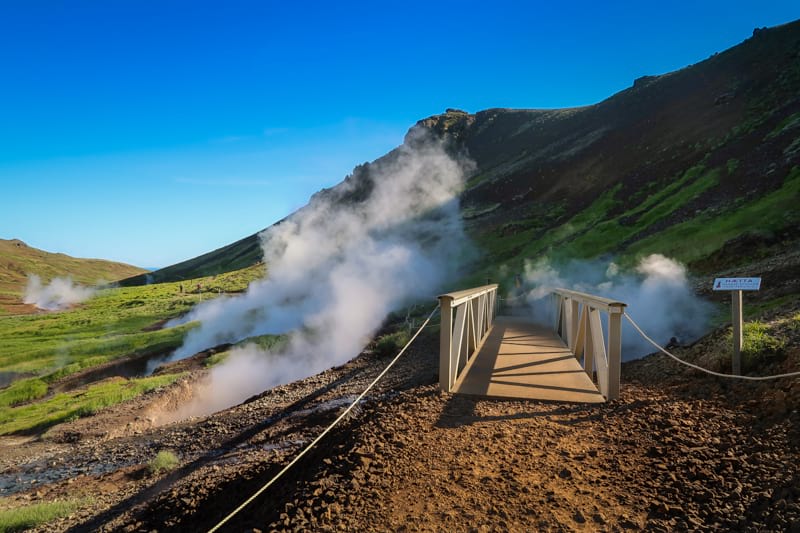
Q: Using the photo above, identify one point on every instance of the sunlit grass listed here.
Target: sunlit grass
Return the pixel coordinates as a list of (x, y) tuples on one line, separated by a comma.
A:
[(37, 514), (116, 322), (72, 405)]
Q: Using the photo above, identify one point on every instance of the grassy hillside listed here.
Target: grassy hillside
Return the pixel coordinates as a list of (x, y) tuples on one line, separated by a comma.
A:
[(241, 254), (39, 353), (17, 260)]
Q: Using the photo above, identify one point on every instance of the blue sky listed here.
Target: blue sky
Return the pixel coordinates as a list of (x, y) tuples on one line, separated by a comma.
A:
[(153, 131)]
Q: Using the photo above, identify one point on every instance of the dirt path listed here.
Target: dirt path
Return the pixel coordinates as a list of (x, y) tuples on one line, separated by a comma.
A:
[(433, 462)]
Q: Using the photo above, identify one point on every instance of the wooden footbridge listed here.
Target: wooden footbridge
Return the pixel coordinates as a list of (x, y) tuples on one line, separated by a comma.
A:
[(483, 354)]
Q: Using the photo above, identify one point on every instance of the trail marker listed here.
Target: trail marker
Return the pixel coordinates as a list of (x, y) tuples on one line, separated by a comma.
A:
[(736, 286)]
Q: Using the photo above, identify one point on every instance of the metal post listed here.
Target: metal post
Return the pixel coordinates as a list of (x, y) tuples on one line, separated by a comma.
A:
[(736, 319)]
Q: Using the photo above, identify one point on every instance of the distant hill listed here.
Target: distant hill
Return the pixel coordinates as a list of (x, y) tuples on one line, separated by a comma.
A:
[(241, 254), (17, 260), (702, 164)]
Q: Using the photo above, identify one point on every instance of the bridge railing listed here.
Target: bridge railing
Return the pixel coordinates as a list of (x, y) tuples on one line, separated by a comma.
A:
[(467, 317), (578, 323)]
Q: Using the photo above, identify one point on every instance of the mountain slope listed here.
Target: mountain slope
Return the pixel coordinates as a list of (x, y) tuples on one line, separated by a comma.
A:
[(240, 254), (17, 260), (706, 155)]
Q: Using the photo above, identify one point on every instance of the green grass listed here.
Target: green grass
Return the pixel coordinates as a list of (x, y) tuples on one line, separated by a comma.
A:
[(117, 322), (710, 231), (790, 122), (22, 391), (216, 359), (265, 342), (529, 240), (164, 461), (474, 212), (752, 310), (592, 232), (112, 324), (71, 405), (760, 344), (37, 514), (391, 343), (635, 233), (606, 236)]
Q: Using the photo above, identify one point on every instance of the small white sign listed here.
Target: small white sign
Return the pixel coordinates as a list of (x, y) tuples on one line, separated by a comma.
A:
[(737, 284)]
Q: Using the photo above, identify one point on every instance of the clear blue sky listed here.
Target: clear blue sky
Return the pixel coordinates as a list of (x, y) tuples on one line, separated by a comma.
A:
[(153, 131)]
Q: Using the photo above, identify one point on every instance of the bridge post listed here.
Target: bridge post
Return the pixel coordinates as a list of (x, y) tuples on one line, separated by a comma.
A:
[(572, 327), (614, 350), (445, 341), (579, 326)]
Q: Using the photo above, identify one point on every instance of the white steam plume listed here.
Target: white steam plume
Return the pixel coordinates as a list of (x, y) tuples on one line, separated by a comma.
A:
[(60, 293), (658, 296), (336, 269)]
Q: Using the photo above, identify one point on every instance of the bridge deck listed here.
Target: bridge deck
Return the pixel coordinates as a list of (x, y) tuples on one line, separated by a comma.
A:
[(524, 360)]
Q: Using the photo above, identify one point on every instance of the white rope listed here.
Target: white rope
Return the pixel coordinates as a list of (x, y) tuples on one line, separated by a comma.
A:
[(748, 378), (327, 430)]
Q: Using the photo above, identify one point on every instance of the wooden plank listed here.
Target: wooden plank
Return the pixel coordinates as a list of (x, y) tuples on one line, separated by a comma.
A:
[(524, 360)]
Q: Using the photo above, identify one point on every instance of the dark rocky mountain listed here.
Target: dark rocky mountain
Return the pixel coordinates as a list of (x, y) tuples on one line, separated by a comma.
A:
[(702, 164)]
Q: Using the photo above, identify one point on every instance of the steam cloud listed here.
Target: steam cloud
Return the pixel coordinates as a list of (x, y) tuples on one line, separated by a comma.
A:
[(658, 296), (336, 268), (60, 293)]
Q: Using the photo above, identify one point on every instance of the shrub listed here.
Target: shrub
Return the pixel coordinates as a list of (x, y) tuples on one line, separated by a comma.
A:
[(392, 343), (165, 461)]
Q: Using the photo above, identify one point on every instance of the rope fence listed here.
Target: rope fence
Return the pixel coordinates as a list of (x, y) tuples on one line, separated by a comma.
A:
[(718, 374), (333, 424)]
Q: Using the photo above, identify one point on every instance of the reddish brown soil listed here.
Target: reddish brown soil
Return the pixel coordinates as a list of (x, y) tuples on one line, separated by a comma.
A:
[(678, 451)]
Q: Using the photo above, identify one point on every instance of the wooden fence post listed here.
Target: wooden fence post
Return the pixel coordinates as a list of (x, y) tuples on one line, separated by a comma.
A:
[(445, 342)]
